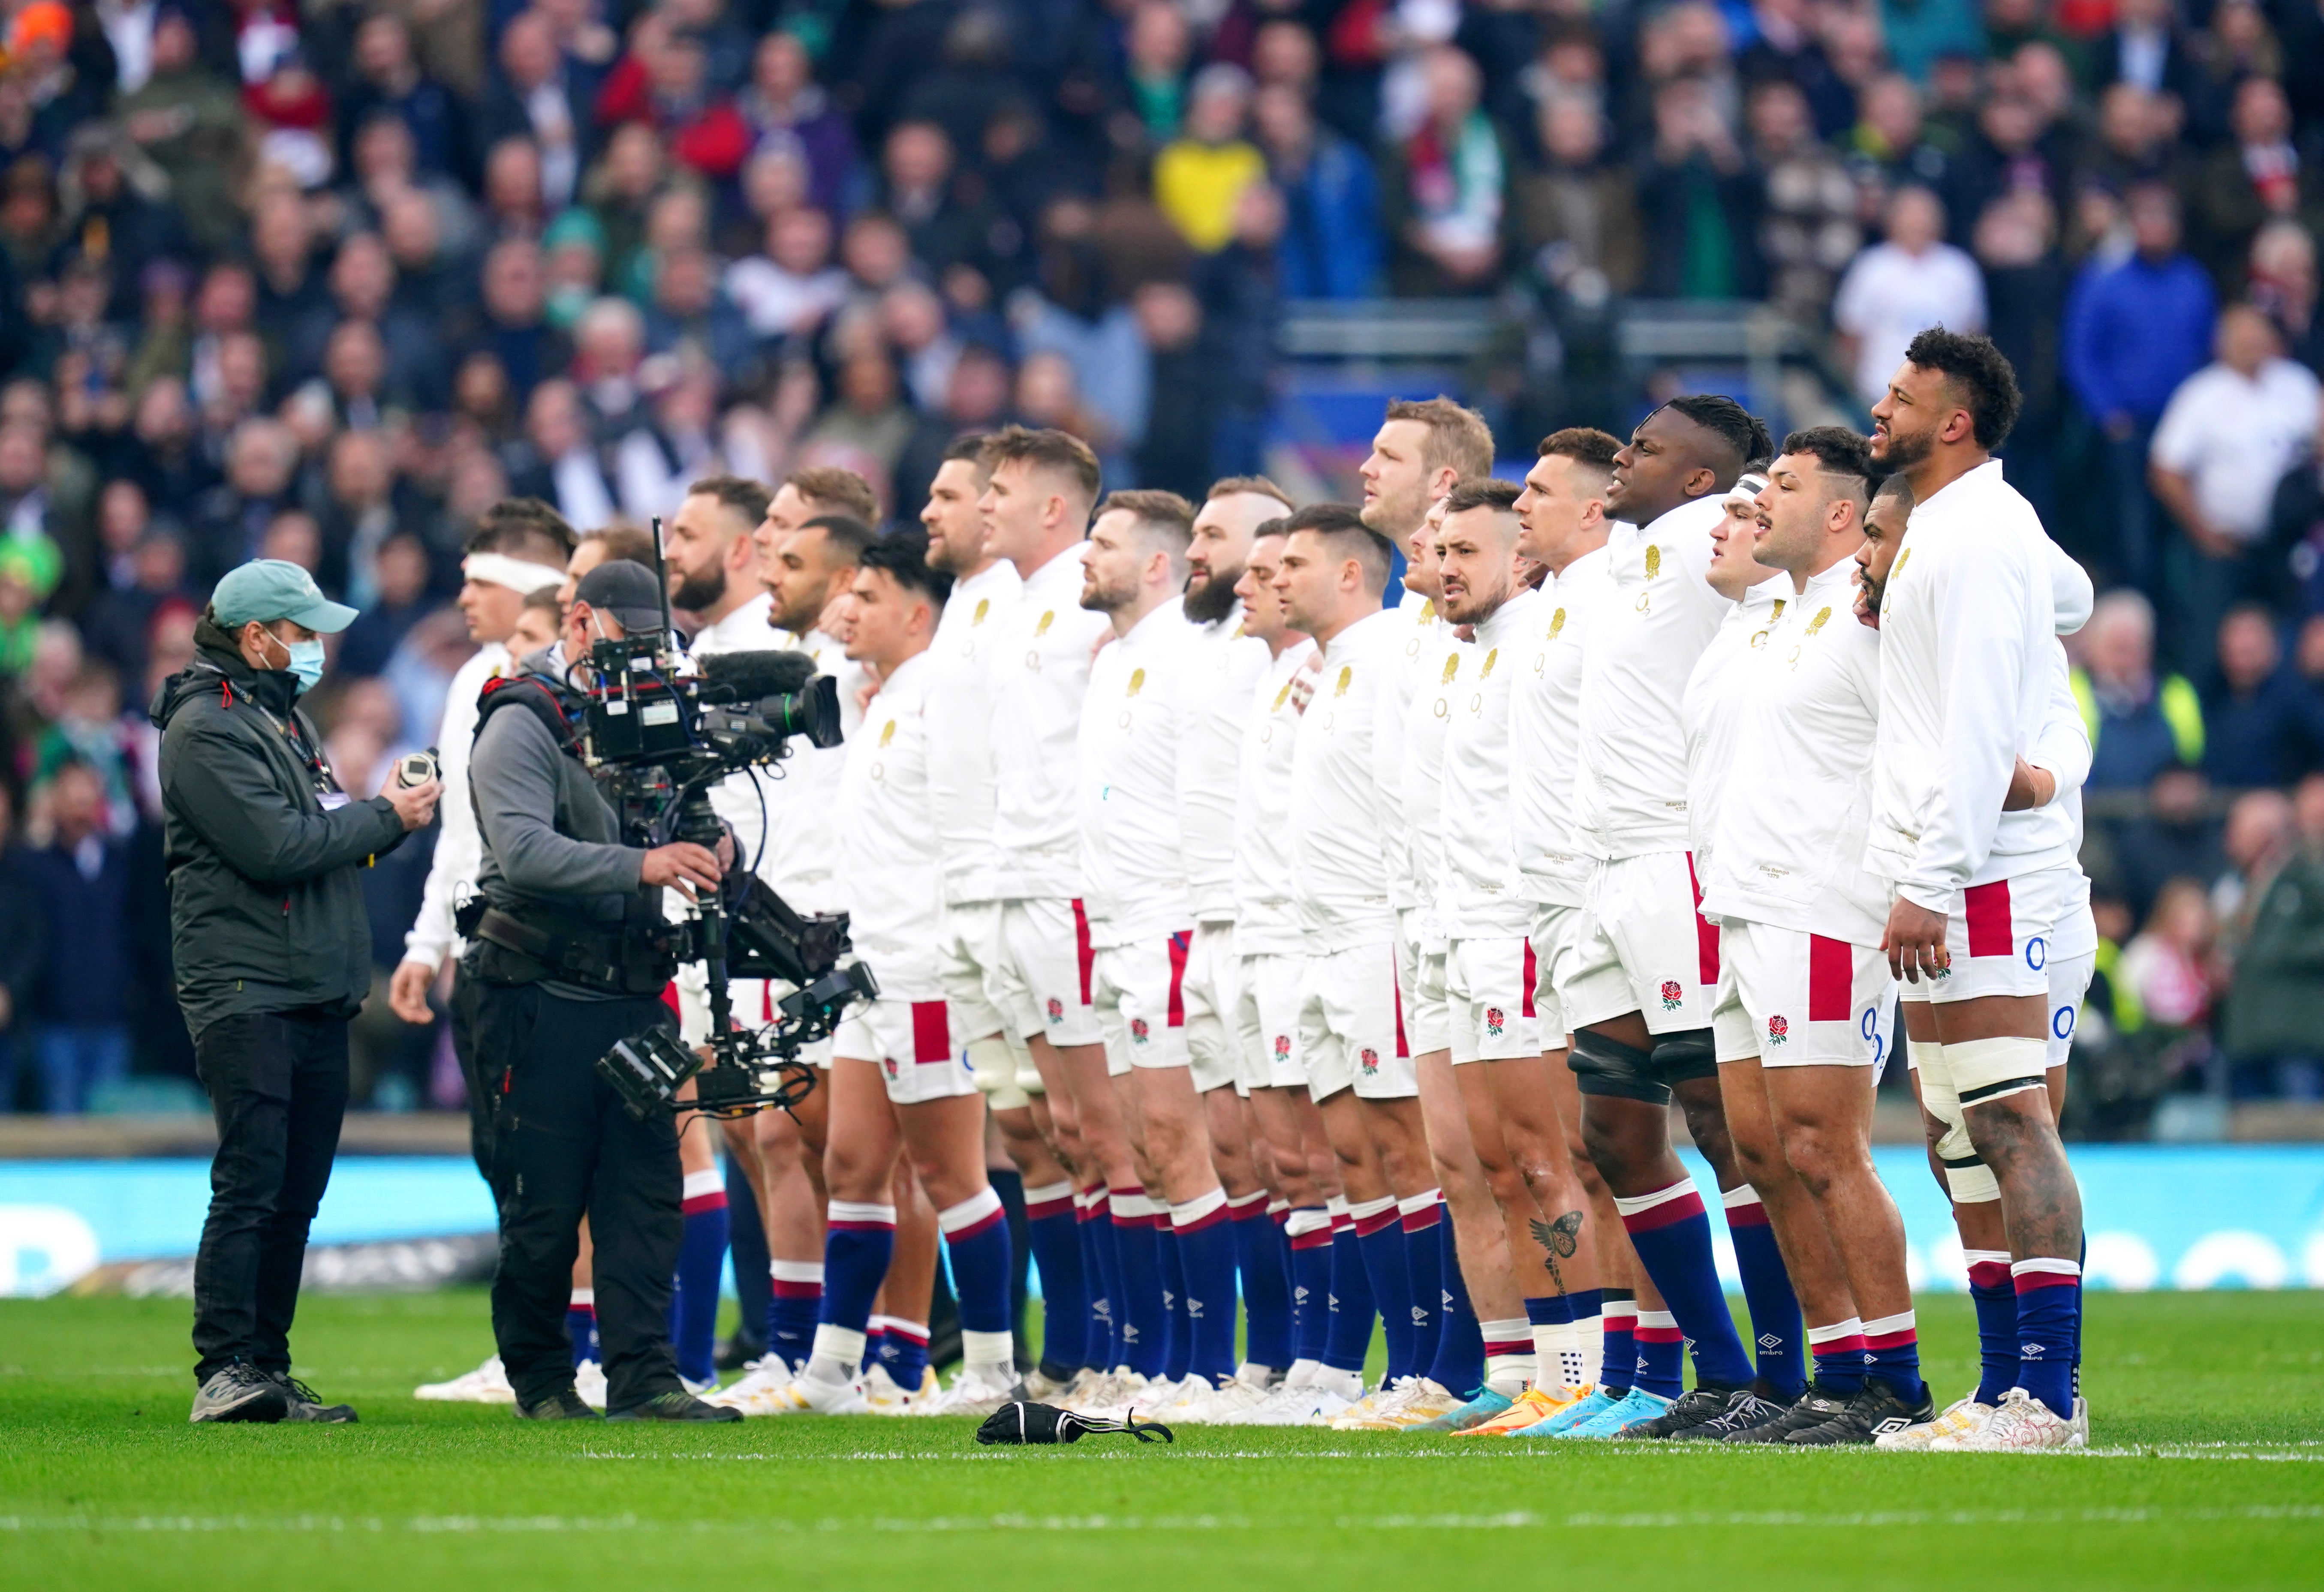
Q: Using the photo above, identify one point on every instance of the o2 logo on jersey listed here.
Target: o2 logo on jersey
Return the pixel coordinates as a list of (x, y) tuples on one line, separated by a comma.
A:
[(1369, 1060), (1494, 1020), (1779, 1031), (1138, 1033), (1056, 1009), (1672, 996), (2061, 1023)]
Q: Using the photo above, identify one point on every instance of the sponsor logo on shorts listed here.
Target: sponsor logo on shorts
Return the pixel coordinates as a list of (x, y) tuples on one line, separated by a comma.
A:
[(1672, 996), (1369, 1059), (1056, 1009), (1778, 1031), (1138, 1030), (2037, 953), (1495, 1019)]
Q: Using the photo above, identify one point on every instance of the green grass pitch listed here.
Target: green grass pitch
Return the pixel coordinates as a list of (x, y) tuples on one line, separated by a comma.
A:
[(2209, 1470)]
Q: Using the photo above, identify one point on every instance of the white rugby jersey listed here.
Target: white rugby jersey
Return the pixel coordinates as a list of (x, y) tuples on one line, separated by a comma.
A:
[(1652, 621), (960, 786), (1040, 669), (1966, 626), (459, 846), (1224, 670), (1132, 743), (1707, 710), (1796, 793), (1419, 630), (803, 791), (1544, 716), (1477, 895), (2063, 747), (1433, 675), (891, 868), (1340, 776), (1267, 919)]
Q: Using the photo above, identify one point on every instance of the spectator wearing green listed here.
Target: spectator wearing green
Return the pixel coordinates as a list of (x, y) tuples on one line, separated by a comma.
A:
[(2139, 722)]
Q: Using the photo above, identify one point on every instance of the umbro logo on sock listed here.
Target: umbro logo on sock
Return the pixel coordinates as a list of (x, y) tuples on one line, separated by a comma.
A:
[(1193, 1310), (1770, 1341), (2030, 1349)]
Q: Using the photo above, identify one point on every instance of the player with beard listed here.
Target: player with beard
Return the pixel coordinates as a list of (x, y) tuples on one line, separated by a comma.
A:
[(1216, 700), (1967, 620), (1638, 991), (961, 792), (1136, 855)]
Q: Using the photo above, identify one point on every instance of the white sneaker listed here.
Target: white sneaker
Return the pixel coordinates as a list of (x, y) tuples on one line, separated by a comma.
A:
[(2081, 1424), (805, 1395), (488, 1384), (762, 1379), (1295, 1406), (1227, 1404), (2023, 1424), (1956, 1420), (589, 1381), (1179, 1403), (887, 1397), (978, 1390), (1384, 1398), (697, 1388), (1048, 1390), (1110, 1394)]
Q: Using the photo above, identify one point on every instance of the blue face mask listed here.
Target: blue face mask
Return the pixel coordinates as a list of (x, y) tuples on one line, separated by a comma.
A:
[(306, 660)]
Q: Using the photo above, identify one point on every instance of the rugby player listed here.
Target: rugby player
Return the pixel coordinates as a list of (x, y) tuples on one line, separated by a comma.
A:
[(1139, 711), (1639, 986), (518, 547), (1968, 617)]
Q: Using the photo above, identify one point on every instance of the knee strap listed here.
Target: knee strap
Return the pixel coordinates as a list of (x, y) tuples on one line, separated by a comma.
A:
[(1609, 1055), (1685, 1055)]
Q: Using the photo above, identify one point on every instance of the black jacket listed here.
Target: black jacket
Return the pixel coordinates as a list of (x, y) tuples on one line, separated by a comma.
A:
[(266, 912)]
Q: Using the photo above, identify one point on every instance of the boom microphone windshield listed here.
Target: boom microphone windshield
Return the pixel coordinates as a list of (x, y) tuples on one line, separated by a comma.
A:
[(746, 676)]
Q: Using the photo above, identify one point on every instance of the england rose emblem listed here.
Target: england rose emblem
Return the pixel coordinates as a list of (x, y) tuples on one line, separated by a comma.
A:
[(1370, 1060), (1671, 995), (1138, 1029), (1494, 1020), (1778, 1030), (1056, 1009)]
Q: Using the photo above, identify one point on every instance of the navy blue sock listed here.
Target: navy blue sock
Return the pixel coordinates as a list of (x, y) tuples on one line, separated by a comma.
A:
[(1351, 1292), (1308, 1231), (859, 1240), (977, 1241), (1839, 1356), (1424, 1261), (1203, 1239), (1778, 1336), (903, 1351), (2047, 1309), (1101, 1263), (1620, 1324), (1266, 1282), (794, 1305), (1661, 1348), (1460, 1363), (701, 1263), (1672, 1236), (1995, 1298), (1177, 1333), (1056, 1243), (1379, 1236), (581, 1324), (1138, 1312), (1892, 1353)]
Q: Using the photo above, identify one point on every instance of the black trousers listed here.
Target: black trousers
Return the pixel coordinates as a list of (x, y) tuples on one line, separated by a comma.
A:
[(463, 1012), (563, 1148), (278, 1085)]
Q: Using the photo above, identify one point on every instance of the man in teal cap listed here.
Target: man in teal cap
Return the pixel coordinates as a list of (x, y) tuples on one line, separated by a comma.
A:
[(272, 956)]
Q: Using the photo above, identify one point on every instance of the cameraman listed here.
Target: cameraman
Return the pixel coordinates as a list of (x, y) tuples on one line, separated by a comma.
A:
[(567, 950), (272, 955)]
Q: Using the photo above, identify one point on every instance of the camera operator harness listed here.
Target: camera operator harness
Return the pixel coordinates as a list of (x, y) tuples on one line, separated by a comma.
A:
[(657, 740)]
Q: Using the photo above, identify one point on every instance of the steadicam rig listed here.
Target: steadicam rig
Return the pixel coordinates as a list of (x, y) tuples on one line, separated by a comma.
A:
[(658, 739)]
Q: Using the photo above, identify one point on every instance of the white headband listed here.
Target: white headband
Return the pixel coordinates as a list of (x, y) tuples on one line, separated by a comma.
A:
[(1747, 490), (518, 574)]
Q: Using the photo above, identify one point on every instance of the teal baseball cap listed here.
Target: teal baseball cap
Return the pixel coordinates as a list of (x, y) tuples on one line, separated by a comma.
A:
[(268, 589)]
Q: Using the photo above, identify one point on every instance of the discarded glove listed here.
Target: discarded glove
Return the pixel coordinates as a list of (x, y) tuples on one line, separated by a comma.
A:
[(1046, 1423)]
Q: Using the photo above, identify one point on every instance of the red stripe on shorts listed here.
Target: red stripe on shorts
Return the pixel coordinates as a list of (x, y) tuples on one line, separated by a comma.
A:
[(670, 997), (931, 1032), (1175, 1014), (1396, 987), (1706, 935), (1986, 908), (1525, 1007), (1084, 954), (1831, 977)]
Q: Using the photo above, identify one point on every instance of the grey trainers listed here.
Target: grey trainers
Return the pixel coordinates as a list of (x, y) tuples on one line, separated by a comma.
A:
[(240, 1392), (566, 1405), (675, 1406), (306, 1406)]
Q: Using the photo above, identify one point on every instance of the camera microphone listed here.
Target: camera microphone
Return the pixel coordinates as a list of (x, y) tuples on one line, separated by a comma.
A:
[(747, 676)]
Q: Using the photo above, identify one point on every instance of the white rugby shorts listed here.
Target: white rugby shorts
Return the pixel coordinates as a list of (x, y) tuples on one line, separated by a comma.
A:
[(969, 953), (1797, 1000), (1139, 993), (1420, 988), (1489, 987), (911, 1042), (1267, 1019), (1999, 936), (1042, 977), (1213, 969), (1642, 947), (1350, 1032), (1554, 930)]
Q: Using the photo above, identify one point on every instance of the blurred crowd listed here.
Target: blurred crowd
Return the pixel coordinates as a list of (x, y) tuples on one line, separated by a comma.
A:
[(320, 280)]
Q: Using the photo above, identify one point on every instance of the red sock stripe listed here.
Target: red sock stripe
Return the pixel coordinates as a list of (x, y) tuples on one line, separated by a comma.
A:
[(984, 1224), (1989, 1274), (1317, 1240), (861, 1226), (789, 1290), (1706, 935), (1831, 980), (1042, 1209), (1986, 908), (1501, 1349), (1378, 1222), (1661, 1216), (1839, 1346), (2027, 1281), (715, 1200), (1092, 1213), (1420, 1221), (1085, 954), (1169, 1223), (1532, 976), (1658, 1334), (1618, 1320), (1754, 1215), (1887, 1342), (1254, 1212), (907, 1334)]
